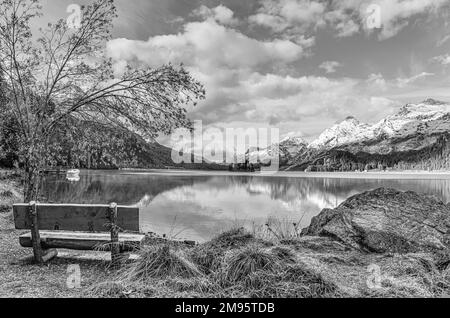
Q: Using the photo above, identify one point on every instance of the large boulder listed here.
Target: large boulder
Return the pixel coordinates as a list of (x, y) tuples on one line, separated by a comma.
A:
[(387, 221)]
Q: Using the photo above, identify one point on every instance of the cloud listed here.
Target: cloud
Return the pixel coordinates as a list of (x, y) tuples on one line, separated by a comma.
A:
[(227, 61), (274, 22), (345, 17), (293, 134), (443, 41), (288, 18), (395, 14), (442, 59), (220, 14), (207, 45), (330, 66), (402, 82), (377, 82)]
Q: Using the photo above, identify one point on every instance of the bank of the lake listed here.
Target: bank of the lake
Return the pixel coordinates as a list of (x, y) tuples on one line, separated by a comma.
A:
[(239, 263)]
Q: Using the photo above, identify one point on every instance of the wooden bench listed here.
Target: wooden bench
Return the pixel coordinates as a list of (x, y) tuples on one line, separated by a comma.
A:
[(78, 227)]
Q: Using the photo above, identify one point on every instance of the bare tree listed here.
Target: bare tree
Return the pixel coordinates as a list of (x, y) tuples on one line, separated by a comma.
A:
[(65, 72)]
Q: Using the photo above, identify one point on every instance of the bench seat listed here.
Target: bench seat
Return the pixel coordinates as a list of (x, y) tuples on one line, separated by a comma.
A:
[(82, 240)]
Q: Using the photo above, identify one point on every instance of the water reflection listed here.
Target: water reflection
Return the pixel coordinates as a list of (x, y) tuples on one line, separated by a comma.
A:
[(198, 207)]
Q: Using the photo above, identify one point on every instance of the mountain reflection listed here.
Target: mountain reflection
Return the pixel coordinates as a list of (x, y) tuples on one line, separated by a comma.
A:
[(198, 207)]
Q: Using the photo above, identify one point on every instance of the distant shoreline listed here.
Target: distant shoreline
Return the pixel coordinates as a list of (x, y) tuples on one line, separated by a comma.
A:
[(390, 175)]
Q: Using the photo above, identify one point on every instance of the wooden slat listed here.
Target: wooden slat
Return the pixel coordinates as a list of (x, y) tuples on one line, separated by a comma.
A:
[(82, 240), (76, 217)]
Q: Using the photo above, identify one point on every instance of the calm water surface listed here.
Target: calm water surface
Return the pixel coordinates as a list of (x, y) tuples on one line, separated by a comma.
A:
[(196, 206)]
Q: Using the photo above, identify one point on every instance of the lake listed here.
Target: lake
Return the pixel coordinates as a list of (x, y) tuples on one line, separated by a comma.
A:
[(198, 205)]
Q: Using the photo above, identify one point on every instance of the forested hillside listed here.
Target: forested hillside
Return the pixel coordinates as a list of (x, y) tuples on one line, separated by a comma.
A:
[(87, 145), (433, 157)]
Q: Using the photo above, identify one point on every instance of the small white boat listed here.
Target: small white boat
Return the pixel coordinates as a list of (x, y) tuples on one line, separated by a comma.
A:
[(73, 175)]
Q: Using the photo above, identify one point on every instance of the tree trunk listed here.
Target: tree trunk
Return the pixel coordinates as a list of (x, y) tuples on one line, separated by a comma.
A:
[(89, 159), (32, 177), (32, 180)]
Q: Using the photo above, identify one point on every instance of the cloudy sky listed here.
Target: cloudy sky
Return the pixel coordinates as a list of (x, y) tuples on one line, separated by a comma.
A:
[(300, 65)]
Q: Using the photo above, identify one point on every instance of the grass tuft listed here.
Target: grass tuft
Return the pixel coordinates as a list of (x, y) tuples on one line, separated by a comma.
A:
[(284, 254), (313, 284), (161, 262), (234, 238), (207, 258), (240, 264)]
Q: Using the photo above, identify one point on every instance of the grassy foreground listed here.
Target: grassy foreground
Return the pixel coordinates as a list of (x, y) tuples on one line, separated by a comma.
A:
[(234, 264)]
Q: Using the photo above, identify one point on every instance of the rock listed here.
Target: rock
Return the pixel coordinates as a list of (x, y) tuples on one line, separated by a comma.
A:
[(316, 244), (387, 221)]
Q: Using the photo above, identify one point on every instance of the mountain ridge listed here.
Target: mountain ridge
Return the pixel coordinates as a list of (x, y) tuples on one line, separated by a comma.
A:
[(415, 129)]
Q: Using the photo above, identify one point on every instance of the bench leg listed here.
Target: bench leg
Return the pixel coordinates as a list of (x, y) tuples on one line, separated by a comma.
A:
[(40, 256), (35, 237), (47, 256), (115, 247)]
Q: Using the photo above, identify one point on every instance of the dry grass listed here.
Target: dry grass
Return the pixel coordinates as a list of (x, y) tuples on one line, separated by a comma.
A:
[(238, 265), (281, 229), (250, 267), (284, 254), (161, 262), (233, 238), (411, 275), (207, 258), (9, 194), (221, 268)]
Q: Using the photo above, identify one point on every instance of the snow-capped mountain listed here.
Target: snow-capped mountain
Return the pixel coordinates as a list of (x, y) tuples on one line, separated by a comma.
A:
[(416, 133), (291, 146), (348, 131), (287, 149), (414, 127), (428, 119)]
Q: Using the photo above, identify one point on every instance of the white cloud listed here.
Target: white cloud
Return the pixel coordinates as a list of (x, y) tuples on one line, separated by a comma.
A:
[(330, 66), (377, 82), (442, 41), (307, 12), (402, 82), (207, 45), (442, 59), (225, 60), (346, 17), (395, 13), (274, 22), (293, 134), (220, 14)]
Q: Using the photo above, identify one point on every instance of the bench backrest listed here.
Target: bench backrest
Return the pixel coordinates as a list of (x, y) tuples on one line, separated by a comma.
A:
[(76, 217)]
